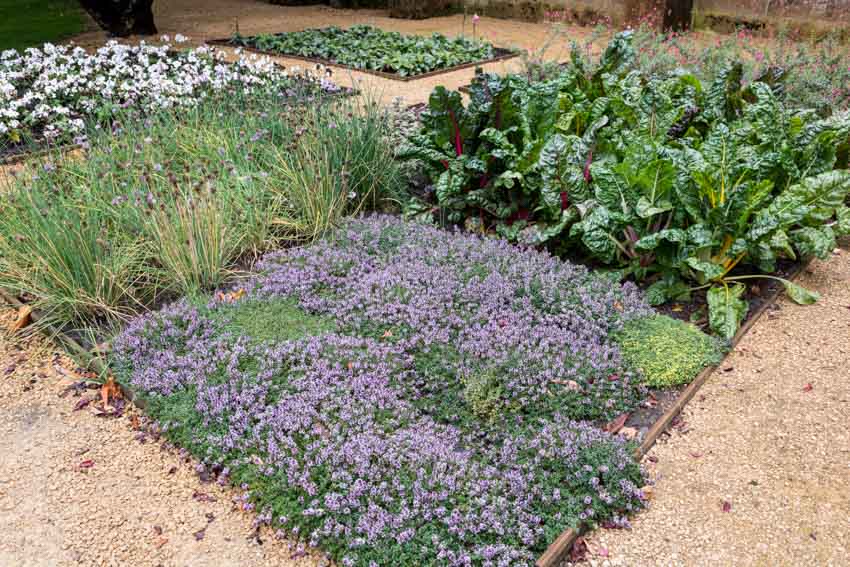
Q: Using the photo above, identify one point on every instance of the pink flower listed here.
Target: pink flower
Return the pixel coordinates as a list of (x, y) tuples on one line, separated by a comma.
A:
[(475, 18)]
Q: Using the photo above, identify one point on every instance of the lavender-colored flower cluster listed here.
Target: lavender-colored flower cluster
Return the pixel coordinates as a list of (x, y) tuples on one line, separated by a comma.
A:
[(49, 92), (364, 440)]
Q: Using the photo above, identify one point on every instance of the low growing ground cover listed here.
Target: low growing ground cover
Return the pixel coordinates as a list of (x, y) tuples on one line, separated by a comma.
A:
[(402, 395), (48, 94), (366, 47)]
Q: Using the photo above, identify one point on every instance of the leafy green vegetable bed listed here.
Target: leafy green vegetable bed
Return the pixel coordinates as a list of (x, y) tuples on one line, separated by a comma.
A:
[(401, 395), (682, 185), (371, 49)]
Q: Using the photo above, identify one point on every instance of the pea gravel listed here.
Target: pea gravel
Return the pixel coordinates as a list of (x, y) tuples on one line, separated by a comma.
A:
[(758, 437), (77, 489)]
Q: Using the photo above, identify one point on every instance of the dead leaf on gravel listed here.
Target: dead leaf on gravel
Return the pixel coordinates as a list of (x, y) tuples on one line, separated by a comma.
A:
[(157, 530), (199, 535), (648, 492), (617, 423), (726, 506), (109, 391), (808, 387), (203, 497), (160, 542), (629, 432), (23, 319), (87, 464), (578, 551), (81, 403)]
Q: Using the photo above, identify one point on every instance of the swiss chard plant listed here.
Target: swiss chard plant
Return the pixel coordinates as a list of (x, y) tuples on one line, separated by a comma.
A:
[(682, 185), (366, 47)]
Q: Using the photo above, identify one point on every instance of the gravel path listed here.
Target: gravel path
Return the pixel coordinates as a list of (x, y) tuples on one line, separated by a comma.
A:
[(77, 489), (769, 434), (202, 20)]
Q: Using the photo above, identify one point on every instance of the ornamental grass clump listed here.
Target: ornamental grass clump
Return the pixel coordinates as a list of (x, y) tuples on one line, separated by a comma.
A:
[(180, 201), (448, 415)]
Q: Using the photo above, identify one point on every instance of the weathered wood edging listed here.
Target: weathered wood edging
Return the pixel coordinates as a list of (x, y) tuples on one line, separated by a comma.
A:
[(83, 357), (559, 549)]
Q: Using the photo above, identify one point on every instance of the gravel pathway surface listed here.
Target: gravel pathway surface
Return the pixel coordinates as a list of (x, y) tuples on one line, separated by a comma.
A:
[(78, 489), (757, 472)]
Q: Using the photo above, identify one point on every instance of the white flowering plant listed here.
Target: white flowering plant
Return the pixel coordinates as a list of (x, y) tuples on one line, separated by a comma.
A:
[(47, 94)]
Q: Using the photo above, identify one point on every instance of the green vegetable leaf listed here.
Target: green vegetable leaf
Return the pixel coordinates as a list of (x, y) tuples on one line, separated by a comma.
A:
[(799, 294), (726, 309)]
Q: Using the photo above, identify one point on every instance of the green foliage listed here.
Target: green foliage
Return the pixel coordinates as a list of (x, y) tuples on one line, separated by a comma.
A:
[(272, 320), (176, 203), (29, 23), (658, 176), (366, 47), (483, 393), (666, 351)]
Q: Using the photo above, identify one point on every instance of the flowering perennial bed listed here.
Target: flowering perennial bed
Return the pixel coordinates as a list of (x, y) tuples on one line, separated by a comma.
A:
[(401, 395), (47, 94)]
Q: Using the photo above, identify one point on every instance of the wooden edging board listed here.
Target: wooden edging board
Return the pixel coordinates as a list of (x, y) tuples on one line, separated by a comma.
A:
[(25, 156), (560, 548), (78, 352), (502, 55)]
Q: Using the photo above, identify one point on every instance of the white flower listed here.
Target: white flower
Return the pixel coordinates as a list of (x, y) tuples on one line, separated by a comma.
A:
[(180, 38)]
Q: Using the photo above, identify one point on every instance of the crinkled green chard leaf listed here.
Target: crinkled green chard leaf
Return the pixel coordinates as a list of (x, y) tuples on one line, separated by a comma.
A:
[(799, 294), (815, 198), (726, 309)]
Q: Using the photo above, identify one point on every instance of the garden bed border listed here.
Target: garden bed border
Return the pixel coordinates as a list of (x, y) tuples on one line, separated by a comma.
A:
[(503, 54), (559, 549), (19, 157)]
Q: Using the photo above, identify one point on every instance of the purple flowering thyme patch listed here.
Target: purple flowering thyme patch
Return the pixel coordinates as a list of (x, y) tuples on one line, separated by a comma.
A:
[(401, 395)]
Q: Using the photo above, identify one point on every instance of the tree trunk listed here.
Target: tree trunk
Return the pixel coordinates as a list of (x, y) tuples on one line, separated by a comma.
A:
[(677, 14), (122, 17)]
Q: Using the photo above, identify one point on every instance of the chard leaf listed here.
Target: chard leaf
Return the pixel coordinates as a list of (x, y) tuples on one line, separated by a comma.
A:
[(799, 201), (651, 241), (646, 209), (669, 288), (709, 270), (799, 294), (811, 241), (726, 309)]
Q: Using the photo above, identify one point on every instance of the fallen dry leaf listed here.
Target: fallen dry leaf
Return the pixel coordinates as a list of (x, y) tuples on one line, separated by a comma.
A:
[(617, 423), (629, 432), (648, 492), (726, 506), (160, 542), (808, 388), (109, 391), (23, 319), (87, 464), (578, 551), (199, 535)]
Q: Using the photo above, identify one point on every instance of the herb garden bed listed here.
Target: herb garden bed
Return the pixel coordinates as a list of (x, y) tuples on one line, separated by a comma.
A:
[(296, 272), (385, 54)]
